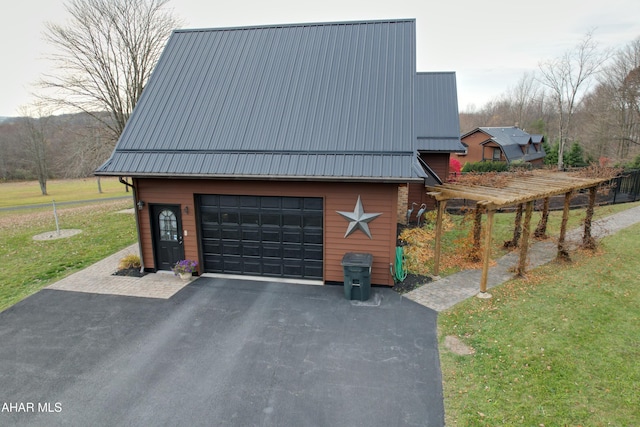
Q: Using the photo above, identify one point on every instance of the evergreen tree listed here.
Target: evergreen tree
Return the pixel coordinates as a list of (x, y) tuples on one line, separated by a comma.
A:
[(575, 158)]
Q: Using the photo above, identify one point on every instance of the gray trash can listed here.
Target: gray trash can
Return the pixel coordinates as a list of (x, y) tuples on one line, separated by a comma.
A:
[(357, 275)]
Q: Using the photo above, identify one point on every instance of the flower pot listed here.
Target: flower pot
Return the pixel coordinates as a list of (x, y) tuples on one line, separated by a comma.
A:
[(186, 276)]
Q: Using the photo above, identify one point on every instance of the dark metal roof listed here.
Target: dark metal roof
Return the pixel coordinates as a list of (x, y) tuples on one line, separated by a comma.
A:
[(512, 139), (238, 102), (436, 113)]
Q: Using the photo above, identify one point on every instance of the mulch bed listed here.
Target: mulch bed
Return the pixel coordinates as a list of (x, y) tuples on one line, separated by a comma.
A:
[(130, 272), (411, 282)]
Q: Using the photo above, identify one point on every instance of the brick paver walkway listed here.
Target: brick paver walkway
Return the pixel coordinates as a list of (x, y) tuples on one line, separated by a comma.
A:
[(448, 291), (99, 279)]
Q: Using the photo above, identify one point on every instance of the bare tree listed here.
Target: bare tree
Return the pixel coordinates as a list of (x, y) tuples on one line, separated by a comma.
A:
[(623, 76), (105, 55), (522, 98), (568, 78), (34, 134)]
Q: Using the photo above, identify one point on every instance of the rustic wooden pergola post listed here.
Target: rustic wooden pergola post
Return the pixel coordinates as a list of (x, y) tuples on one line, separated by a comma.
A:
[(477, 232), (517, 229), (588, 242), (524, 243), (436, 262), (563, 254), (541, 229), (487, 253)]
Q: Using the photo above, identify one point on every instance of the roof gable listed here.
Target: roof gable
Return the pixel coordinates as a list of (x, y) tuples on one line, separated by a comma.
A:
[(332, 88)]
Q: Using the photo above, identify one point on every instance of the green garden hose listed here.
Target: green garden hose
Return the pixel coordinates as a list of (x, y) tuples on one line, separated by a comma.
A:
[(401, 270)]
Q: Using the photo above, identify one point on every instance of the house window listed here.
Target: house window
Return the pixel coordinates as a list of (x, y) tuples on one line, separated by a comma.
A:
[(168, 226), (496, 154)]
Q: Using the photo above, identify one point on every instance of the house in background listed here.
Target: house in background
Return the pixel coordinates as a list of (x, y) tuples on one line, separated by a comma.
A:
[(504, 144), (274, 150)]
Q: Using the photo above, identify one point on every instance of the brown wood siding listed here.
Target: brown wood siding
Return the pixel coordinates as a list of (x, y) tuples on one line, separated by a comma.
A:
[(474, 150), (376, 198), (439, 163)]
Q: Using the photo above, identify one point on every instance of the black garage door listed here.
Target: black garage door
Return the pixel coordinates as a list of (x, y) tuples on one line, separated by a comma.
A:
[(262, 235)]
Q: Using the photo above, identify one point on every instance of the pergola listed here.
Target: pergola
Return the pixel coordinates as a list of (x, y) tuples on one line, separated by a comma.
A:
[(515, 190)]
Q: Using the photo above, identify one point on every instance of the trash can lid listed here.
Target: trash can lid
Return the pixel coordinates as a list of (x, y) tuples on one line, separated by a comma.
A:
[(353, 259)]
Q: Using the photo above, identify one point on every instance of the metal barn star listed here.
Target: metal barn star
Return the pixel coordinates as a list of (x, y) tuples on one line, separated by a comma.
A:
[(358, 220)]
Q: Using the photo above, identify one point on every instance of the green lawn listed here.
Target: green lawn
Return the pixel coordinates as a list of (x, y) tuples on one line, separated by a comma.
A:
[(503, 230), (559, 348), (28, 192), (29, 265)]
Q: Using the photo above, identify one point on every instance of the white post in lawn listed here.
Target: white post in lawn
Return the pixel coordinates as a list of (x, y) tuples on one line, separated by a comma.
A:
[(55, 214)]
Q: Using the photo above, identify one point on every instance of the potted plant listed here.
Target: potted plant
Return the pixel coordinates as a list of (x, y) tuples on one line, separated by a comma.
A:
[(185, 268)]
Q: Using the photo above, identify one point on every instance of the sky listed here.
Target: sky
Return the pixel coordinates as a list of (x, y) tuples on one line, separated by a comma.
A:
[(489, 44)]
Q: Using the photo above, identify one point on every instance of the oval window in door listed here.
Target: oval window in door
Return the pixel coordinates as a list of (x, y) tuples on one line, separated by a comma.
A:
[(168, 225)]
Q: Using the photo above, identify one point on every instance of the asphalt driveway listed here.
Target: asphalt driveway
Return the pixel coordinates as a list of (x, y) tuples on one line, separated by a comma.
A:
[(220, 353)]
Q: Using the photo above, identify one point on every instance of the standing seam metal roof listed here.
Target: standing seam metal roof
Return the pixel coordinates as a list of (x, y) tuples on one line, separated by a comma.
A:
[(436, 113), (278, 101)]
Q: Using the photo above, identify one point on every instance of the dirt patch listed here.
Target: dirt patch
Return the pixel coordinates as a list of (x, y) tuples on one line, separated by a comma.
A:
[(455, 345)]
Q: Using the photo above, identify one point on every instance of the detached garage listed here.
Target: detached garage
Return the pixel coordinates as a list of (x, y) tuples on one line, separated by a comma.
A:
[(274, 150)]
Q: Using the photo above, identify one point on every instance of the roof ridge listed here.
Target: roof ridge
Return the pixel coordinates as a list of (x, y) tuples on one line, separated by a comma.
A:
[(294, 25)]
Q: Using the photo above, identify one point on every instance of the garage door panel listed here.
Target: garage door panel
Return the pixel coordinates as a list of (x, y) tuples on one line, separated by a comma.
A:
[(251, 250), (271, 251), (272, 269), (271, 235), (313, 236), (293, 269), (231, 248), (211, 233), (251, 234), (293, 251), (263, 235), (313, 269), (272, 219), (313, 221), (213, 247), (311, 253), (252, 266), (231, 233), (289, 236)]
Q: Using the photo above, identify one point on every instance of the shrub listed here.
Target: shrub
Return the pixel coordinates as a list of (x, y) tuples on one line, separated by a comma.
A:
[(485, 166), (129, 261)]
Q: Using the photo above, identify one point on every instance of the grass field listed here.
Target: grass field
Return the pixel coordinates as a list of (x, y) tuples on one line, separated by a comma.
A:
[(28, 192), (29, 265), (558, 348)]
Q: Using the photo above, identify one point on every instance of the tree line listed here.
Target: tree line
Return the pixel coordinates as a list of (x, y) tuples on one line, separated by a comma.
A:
[(586, 102)]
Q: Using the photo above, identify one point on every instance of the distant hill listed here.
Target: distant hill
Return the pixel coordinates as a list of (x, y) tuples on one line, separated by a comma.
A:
[(7, 119)]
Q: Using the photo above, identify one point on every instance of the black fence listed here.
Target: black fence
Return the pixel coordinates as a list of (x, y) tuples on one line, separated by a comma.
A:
[(626, 187)]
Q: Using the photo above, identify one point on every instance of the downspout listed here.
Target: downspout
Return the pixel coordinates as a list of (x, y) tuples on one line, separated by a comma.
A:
[(135, 210)]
